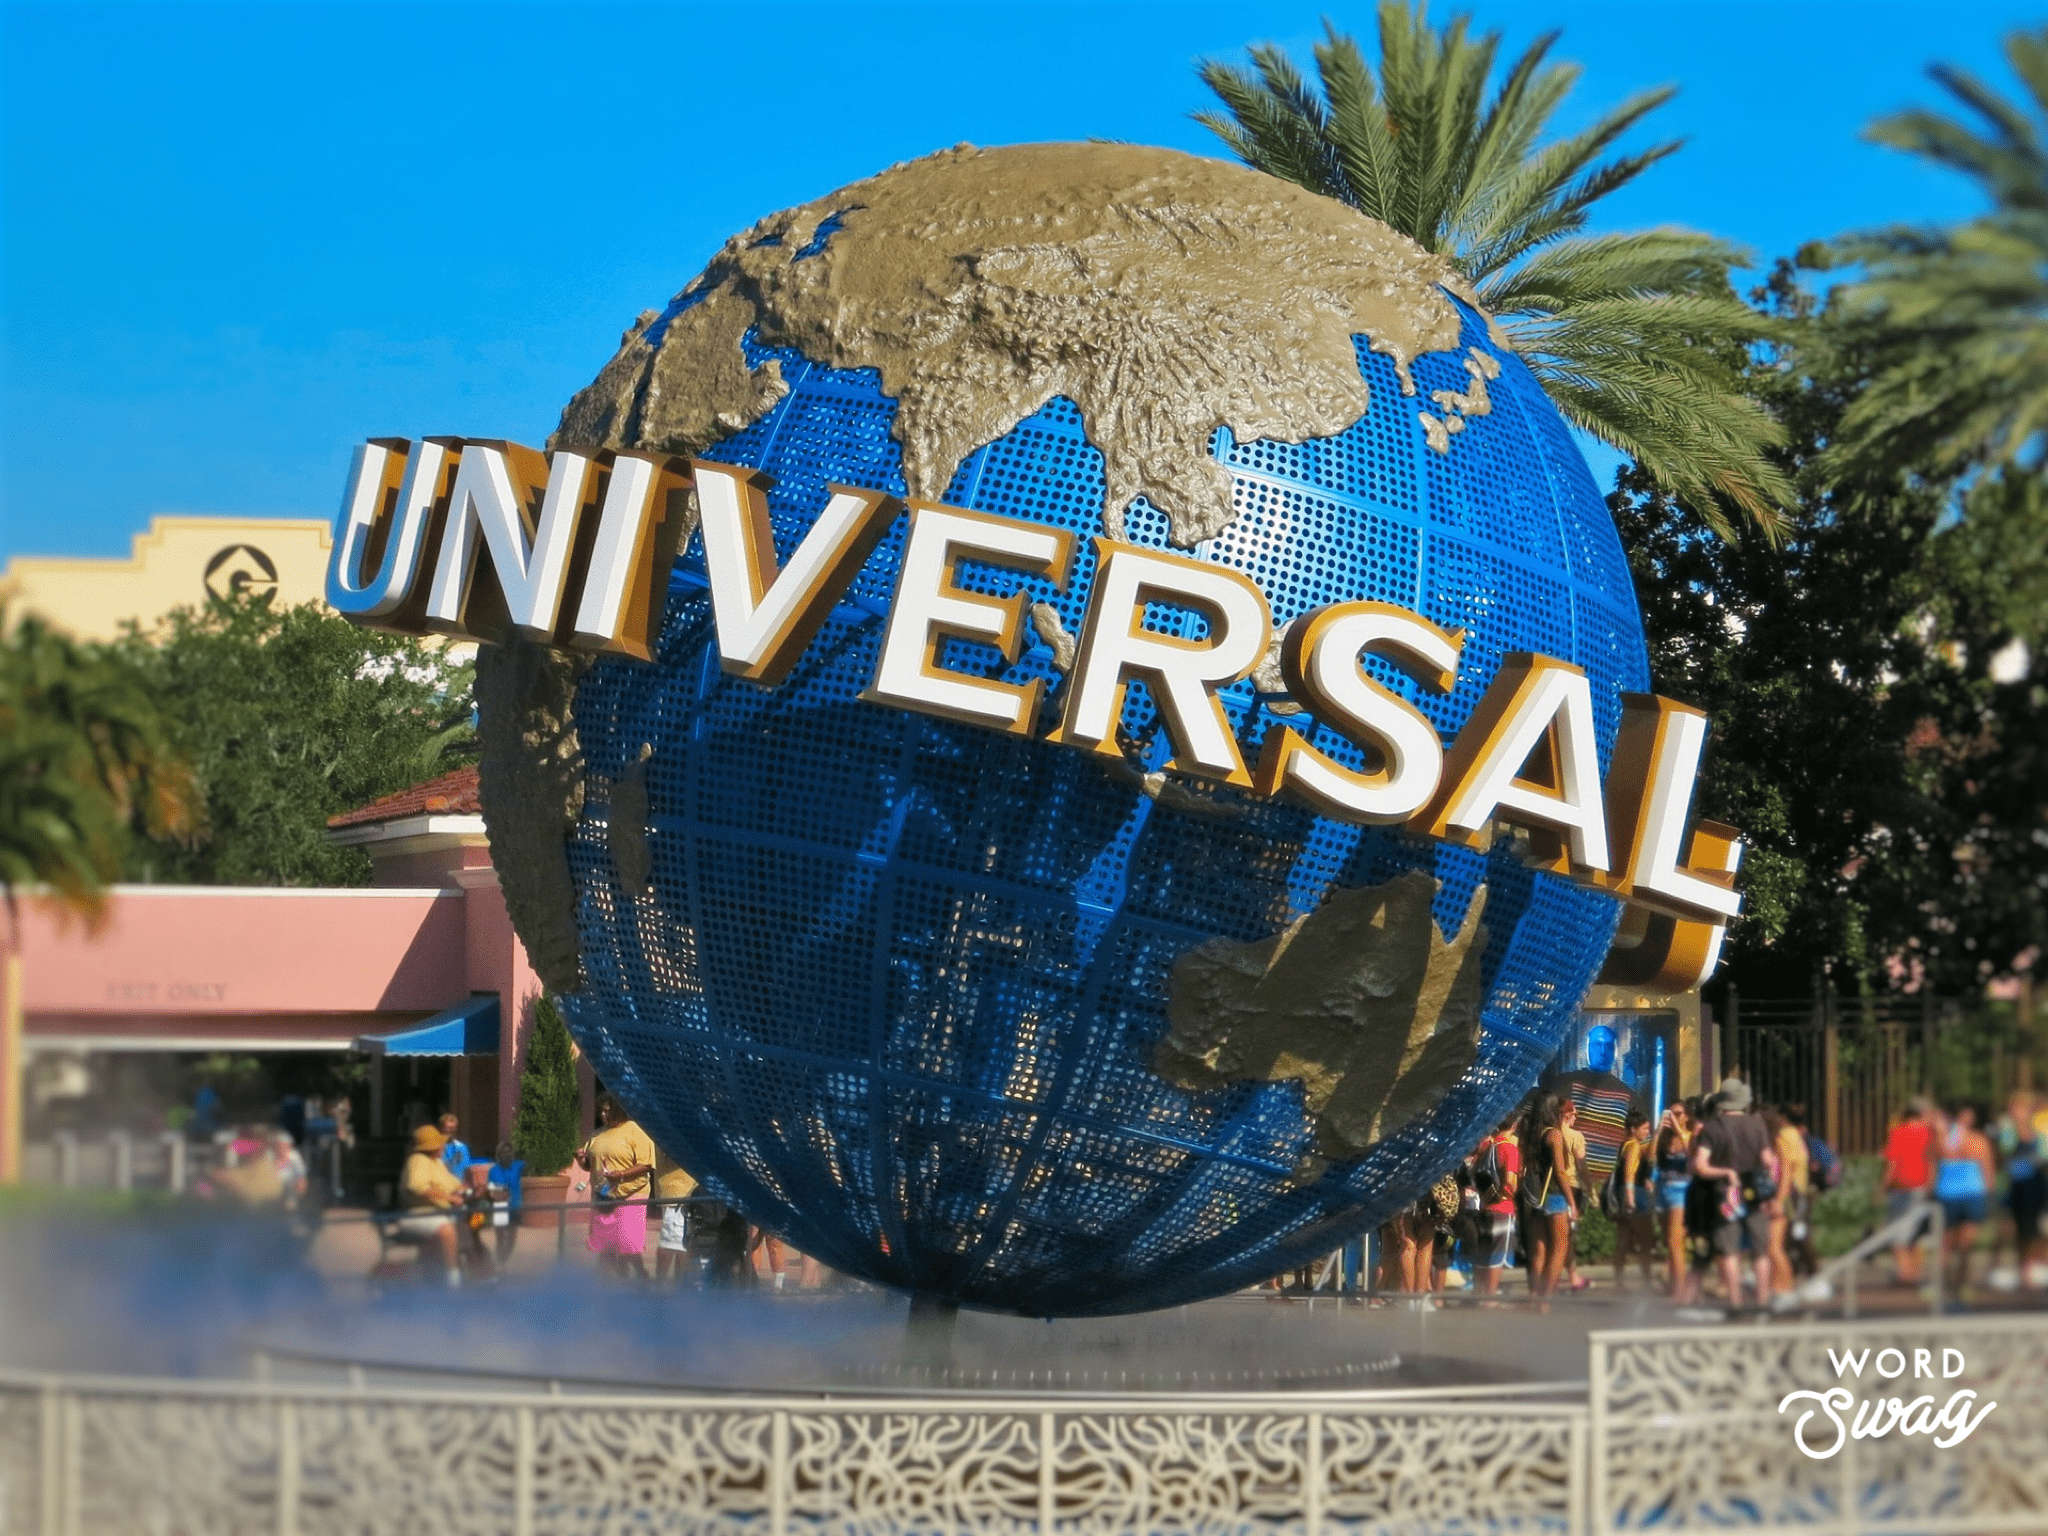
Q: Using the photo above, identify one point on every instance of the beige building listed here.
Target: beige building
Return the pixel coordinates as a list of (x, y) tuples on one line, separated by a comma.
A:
[(180, 561)]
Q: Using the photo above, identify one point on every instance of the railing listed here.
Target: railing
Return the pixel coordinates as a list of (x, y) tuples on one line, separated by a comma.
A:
[(1692, 1429), (116, 1160), (1855, 1061), (1682, 1430), (168, 1162), (1902, 1231), (83, 1456)]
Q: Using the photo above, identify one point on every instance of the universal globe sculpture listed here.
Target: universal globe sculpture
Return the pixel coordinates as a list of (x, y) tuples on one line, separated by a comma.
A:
[(978, 1015)]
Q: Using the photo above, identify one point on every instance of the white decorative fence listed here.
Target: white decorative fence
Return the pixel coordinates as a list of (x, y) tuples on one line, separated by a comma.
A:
[(1687, 1434), (153, 1458), (1681, 1432)]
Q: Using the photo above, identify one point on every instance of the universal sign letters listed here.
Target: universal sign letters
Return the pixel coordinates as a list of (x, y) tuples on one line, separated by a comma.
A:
[(579, 544)]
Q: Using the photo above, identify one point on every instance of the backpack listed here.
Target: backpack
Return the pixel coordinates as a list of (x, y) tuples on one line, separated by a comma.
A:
[(1826, 1168), (1612, 1203), (1487, 1178), (1532, 1192)]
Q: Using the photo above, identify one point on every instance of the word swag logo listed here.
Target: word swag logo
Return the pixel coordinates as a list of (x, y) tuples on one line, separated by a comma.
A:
[(1873, 1418)]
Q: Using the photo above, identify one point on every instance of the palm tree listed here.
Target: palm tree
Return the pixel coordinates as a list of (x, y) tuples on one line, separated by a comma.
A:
[(55, 830), (1961, 313), (84, 754), (1638, 338)]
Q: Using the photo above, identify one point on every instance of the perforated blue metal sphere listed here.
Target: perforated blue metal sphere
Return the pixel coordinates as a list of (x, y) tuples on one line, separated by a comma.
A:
[(896, 984)]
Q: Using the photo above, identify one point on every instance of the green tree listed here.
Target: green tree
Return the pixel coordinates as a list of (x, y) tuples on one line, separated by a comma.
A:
[(1878, 737), (290, 716), (86, 753), (1638, 338), (1962, 378), (544, 1126)]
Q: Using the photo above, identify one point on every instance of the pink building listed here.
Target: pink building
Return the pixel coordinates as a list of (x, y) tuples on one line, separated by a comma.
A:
[(421, 971)]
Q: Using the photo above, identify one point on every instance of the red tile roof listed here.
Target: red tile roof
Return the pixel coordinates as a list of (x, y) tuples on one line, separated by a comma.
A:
[(452, 794)]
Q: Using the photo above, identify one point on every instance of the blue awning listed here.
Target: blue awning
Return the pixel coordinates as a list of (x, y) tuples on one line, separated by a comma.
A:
[(470, 1028)]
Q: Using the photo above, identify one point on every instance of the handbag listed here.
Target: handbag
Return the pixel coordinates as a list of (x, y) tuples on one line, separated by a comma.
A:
[(1443, 1201)]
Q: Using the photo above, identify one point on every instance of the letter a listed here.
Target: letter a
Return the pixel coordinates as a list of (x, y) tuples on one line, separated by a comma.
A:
[(1537, 712)]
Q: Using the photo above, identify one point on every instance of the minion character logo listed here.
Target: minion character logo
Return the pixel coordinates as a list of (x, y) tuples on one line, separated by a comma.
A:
[(237, 569)]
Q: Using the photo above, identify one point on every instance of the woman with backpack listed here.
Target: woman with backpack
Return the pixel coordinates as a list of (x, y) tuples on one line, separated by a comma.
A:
[(1496, 1175), (1790, 1147), (1548, 1201)]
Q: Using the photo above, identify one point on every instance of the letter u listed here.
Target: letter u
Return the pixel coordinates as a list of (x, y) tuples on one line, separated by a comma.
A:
[(393, 489)]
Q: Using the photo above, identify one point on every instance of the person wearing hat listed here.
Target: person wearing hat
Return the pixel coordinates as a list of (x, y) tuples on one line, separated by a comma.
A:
[(430, 1195), (1734, 1151)]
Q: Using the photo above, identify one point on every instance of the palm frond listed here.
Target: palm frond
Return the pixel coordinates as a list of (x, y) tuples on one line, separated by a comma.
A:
[(1359, 130), (1262, 129), (1959, 315), (1637, 337)]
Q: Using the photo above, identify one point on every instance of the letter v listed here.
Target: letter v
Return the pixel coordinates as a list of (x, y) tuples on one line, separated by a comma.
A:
[(766, 617)]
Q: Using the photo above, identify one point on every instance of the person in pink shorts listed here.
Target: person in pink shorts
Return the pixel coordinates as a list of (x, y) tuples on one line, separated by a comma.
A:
[(620, 1158)]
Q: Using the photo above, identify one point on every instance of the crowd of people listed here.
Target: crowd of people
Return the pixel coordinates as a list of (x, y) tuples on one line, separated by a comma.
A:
[(448, 1199), (1718, 1196), (1981, 1172)]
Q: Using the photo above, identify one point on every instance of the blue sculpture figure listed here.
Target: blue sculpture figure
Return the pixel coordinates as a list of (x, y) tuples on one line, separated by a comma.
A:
[(927, 1000)]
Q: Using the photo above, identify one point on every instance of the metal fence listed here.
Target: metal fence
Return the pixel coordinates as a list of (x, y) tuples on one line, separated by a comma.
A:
[(1680, 1430), (168, 1163), (78, 1458), (1692, 1430), (1854, 1061)]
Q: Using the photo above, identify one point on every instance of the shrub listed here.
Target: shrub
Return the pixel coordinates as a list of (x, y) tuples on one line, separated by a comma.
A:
[(544, 1128), (1843, 1215), (1596, 1238)]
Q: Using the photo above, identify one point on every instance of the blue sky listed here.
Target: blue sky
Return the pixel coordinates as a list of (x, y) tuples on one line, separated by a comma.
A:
[(237, 239)]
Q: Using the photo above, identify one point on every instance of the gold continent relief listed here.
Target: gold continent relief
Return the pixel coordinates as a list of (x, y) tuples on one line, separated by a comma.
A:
[(1164, 294), (1362, 1002)]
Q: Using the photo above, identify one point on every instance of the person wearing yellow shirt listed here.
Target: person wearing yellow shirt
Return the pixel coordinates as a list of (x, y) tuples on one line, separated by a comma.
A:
[(1573, 1172), (430, 1196), (620, 1158), (1790, 1222), (1635, 1221), (674, 1184)]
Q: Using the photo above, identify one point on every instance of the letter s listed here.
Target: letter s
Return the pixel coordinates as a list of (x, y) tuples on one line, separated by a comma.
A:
[(1830, 1401)]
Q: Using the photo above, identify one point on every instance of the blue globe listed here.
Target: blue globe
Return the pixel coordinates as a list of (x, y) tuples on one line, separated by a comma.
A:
[(894, 986)]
